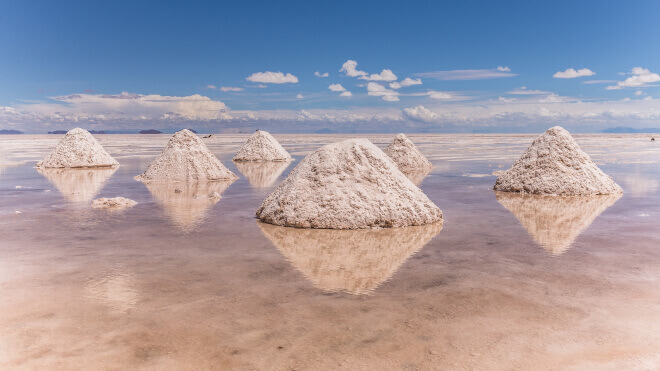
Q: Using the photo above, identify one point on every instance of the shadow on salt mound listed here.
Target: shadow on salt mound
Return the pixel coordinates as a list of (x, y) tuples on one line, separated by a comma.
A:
[(262, 174), (554, 222), (350, 261), (78, 185), (186, 204)]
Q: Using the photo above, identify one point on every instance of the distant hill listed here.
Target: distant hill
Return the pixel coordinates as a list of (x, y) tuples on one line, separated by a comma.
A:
[(57, 132), (627, 130), (97, 132), (10, 131), (151, 131), (193, 131), (325, 131)]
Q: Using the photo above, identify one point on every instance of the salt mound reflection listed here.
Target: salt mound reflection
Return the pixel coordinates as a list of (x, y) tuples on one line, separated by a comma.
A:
[(416, 176), (262, 174), (351, 261), (185, 203), (554, 222), (116, 290), (78, 185)]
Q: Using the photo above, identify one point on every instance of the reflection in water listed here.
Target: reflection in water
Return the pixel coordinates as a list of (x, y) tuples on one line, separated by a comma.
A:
[(352, 261), (78, 185), (554, 222), (186, 204), (116, 290), (416, 176), (262, 174)]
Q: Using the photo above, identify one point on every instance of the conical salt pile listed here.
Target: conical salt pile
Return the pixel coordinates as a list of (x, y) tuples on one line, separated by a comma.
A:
[(78, 148), (554, 222), (348, 185), (186, 159), (406, 155), (356, 262), (261, 146), (555, 164)]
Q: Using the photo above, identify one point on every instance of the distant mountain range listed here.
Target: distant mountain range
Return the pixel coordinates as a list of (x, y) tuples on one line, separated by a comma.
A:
[(10, 131), (627, 130)]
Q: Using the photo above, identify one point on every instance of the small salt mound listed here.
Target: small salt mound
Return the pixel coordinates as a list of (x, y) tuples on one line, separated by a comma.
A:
[(261, 146), (554, 222), (186, 159), (78, 148), (113, 203), (555, 164), (348, 185), (406, 155), (355, 262)]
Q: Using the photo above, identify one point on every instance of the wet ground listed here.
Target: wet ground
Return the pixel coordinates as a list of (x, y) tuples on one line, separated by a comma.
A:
[(184, 281)]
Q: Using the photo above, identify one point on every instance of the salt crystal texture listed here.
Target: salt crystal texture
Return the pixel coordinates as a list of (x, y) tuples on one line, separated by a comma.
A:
[(406, 155), (261, 146), (348, 185), (554, 164), (78, 148), (186, 159), (112, 203)]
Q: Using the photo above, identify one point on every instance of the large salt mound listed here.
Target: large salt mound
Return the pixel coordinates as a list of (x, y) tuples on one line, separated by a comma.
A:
[(406, 155), (554, 222), (261, 146), (186, 159), (78, 148), (555, 164), (356, 262), (348, 185)]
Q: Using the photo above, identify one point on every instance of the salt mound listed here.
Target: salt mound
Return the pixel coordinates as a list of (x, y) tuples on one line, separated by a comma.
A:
[(78, 148), (554, 222), (355, 262), (348, 185), (186, 204), (261, 146), (113, 203), (262, 174), (78, 185), (555, 164), (185, 159), (406, 155)]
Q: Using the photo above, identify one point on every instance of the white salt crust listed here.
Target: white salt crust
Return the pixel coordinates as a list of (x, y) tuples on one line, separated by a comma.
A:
[(78, 148), (554, 164), (348, 185), (186, 159), (407, 156), (113, 203), (261, 146)]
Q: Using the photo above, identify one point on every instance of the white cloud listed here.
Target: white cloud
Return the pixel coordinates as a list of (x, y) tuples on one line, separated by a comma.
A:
[(552, 98), (319, 74), (572, 73), (503, 69), (379, 90), (300, 96), (385, 75), (336, 87), (420, 113), (640, 77), (210, 86), (639, 92), (439, 95), (346, 94), (405, 83), (524, 91), (350, 68), (230, 88), (269, 77), (598, 81), (482, 74)]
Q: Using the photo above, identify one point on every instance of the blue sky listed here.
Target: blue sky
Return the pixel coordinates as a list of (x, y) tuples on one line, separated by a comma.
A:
[(66, 64)]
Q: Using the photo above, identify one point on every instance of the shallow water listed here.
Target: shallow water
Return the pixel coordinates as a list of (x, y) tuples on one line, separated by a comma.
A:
[(183, 280)]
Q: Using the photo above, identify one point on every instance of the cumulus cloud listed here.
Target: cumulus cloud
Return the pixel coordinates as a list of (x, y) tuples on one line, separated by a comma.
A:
[(503, 69), (405, 83), (269, 77), (420, 113), (230, 88), (300, 96), (482, 74), (552, 98), (571, 73), (385, 75), (350, 69), (439, 95), (639, 92), (319, 74), (346, 94), (640, 77), (378, 90), (524, 91), (336, 87)]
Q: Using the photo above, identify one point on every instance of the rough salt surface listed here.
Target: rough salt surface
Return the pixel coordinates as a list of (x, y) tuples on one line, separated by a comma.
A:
[(113, 203), (406, 155), (261, 146), (186, 159), (78, 148), (348, 185), (555, 164)]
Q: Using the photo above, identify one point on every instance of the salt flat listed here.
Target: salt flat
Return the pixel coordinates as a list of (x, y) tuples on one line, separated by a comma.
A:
[(179, 281)]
